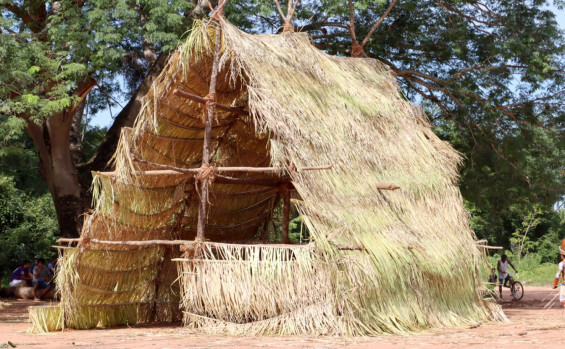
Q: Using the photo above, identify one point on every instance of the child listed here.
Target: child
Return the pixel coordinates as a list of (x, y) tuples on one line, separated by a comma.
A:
[(492, 277)]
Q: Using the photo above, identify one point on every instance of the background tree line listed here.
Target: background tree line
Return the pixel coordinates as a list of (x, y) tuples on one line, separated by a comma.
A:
[(489, 74)]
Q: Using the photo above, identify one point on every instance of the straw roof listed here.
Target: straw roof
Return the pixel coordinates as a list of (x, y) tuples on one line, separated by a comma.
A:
[(293, 106)]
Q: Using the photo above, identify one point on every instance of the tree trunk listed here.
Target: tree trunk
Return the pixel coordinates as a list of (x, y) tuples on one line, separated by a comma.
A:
[(58, 144), (52, 141)]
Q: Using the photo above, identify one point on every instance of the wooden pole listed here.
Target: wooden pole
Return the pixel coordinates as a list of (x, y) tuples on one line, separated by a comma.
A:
[(202, 206), (188, 245), (490, 247), (223, 169), (159, 280), (387, 186), (350, 248), (131, 243), (285, 192)]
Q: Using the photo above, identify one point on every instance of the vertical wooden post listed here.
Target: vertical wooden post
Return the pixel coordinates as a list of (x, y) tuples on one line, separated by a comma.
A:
[(286, 213), (167, 255), (202, 207)]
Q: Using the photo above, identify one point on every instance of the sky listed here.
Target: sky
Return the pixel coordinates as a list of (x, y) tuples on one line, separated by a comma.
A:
[(104, 118)]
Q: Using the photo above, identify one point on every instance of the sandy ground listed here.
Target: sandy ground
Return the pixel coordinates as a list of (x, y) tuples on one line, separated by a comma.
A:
[(530, 325)]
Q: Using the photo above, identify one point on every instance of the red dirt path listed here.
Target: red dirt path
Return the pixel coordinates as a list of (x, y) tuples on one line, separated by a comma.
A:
[(529, 326)]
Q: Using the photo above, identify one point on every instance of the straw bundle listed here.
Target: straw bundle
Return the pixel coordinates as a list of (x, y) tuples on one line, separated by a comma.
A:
[(46, 319), (282, 103)]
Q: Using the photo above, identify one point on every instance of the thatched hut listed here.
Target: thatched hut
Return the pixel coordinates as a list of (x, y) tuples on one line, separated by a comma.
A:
[(182, 222)]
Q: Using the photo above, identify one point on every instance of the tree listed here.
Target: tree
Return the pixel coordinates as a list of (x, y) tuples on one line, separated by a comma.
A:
[(490, 77), (56, 53)]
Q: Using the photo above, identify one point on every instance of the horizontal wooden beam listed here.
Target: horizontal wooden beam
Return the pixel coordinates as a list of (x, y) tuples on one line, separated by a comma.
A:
[(63, 247), (195, 170), (266, 182), (202, 100), (130, 243), (185, 245), (387, 186), (192, 171), (490, 247), (350, 248)]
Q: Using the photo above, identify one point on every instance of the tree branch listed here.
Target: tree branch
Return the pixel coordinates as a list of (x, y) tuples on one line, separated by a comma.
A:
[(352, 23), (378, 23)]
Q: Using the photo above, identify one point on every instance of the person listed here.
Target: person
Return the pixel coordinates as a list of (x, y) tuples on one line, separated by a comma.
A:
[(41, 277), (52, 266), (492, 277), (560, 274), (21, 275), (35, 259), (503, 274)]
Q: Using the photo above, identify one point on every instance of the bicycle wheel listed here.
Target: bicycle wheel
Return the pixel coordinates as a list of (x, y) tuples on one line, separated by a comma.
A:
[(517, 290)]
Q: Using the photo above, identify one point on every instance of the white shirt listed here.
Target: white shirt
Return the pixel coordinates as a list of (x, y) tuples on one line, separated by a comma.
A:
[(502, 269)]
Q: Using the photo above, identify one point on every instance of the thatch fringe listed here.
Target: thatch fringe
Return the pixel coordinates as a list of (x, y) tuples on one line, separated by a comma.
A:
[(273, 284), (46, 319)]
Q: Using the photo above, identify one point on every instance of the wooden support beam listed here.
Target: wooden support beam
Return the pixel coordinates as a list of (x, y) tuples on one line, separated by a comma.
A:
[(490, 247), (266, 182), (226, 169), (62, 247), (387, 186), (189, 245), (285, 194), (210, 112), (202, 100), (131, 243), (172, 170), (159, 280), (350, 248)]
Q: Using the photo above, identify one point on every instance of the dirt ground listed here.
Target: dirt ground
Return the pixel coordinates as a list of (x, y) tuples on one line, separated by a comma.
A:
[(532, 324)]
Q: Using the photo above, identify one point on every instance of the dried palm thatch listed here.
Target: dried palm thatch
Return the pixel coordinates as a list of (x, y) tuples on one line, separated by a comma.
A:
[(46, 319), (257, 289), (280, 102)]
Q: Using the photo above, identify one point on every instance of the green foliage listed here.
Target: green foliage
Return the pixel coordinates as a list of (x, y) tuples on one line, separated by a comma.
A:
[(546, 248), (48, 48), (520, 241), (297, 231), (93, 136), (18, 158), (27, 225)]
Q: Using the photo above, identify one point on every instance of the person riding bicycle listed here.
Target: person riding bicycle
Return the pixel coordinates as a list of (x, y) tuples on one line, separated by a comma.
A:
[(503, 274)]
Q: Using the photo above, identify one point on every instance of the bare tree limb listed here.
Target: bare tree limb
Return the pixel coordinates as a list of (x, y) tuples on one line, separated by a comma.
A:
[(378, 23)]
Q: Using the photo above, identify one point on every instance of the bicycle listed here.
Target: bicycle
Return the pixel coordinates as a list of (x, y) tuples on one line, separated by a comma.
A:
[(516, 288)]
